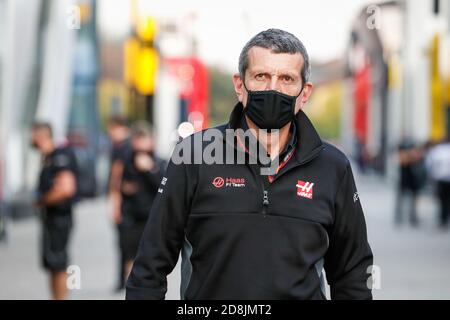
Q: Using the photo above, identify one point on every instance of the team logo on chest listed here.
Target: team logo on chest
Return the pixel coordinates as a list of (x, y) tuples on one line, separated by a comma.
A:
[(305, 189), (220, 182)]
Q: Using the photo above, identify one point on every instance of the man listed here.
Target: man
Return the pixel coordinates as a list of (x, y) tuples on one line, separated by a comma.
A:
[(119, 134), (56, 192), (142, 173), (248, 235), (120, 138)]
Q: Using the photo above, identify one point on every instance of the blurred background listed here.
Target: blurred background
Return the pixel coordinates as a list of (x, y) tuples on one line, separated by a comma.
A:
[(382, 86)]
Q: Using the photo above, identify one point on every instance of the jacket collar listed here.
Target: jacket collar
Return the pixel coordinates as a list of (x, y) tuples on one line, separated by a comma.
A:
[(309, 144)]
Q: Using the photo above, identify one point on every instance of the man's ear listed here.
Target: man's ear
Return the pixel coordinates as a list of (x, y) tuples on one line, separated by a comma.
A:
[(307, 90), (238, 87), (304, 97)]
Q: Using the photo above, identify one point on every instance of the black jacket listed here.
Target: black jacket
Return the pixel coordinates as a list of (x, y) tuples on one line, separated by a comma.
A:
[(246, 238), (61, 159)]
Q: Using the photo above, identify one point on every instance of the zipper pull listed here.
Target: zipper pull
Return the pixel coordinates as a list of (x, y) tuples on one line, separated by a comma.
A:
[(266, 198)]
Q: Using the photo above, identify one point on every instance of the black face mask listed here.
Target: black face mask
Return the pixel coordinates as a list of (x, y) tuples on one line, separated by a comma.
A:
[(270, 109)]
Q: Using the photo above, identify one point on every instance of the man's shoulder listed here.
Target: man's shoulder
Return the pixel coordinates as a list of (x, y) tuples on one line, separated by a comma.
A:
[(334, 155), (204, 135), (62, 150), (122, 150), (63, 157), (192, 147), (162, 163)]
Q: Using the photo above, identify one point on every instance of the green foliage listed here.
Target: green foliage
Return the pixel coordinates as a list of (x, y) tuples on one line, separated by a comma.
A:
[(324, 110), (222, 96)]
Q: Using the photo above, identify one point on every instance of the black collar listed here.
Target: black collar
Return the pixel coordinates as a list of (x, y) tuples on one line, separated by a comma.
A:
[(292, 139), (308, 142)]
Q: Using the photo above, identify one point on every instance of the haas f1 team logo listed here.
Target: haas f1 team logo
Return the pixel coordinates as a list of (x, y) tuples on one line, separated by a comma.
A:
[(220, 182), (305, 189)]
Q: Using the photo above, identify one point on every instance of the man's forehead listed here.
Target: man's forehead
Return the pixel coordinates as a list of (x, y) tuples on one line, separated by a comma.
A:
[(262, 58)]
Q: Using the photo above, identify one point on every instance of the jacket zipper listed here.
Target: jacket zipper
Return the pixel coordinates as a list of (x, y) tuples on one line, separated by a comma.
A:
[(264, 187), (265, 201)]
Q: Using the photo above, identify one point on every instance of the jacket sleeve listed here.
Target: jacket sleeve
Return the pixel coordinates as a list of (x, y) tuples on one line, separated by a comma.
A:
[(163, 236), (153, 178), (349, 256)]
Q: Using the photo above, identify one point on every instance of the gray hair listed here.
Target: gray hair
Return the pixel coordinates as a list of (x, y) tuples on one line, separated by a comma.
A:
[(278, 41)]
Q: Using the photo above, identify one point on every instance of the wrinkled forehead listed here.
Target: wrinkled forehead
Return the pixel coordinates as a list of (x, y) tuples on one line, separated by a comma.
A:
[(265, 60)]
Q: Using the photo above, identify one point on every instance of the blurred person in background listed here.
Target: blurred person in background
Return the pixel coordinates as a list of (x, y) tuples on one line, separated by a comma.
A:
[(2, 223), (56, 192), (119, 134), (438, 167), (142, 174), (3, 234), (411, 179)]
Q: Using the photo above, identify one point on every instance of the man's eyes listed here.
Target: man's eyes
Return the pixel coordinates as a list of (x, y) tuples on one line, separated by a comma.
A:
[(264, 76), (287, 79), (260, 76)]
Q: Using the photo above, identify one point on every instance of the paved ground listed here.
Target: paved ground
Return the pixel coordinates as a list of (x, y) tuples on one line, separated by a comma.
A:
[(414, 263)]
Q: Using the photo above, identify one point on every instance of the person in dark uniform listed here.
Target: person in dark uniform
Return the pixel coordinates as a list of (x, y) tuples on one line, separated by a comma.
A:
[(56, 193), (411, 180), (119, 134), (142, 174)]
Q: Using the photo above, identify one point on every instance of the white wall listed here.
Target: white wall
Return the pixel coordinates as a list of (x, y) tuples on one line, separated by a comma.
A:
[(19, 45), (416, 76), (56, 82), (166, 113)]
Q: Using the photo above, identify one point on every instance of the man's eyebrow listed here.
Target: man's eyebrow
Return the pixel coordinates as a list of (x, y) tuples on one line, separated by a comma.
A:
[(289, 73), (259, 70)]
